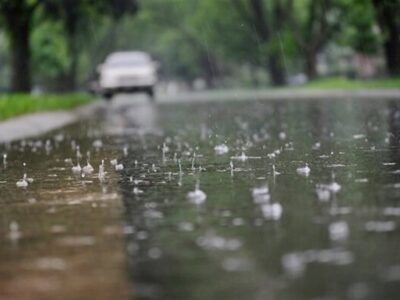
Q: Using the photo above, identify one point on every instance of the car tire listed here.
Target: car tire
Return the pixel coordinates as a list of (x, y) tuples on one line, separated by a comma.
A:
[(108, 96), (150, 93)]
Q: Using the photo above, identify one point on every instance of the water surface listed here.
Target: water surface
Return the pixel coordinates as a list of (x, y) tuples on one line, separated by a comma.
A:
[(304, 239)]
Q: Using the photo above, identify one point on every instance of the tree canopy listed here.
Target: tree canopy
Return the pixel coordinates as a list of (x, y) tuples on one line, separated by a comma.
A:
[(224, 42)]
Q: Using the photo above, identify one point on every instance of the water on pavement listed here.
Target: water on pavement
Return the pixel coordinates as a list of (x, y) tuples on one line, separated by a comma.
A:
[(209, 200)]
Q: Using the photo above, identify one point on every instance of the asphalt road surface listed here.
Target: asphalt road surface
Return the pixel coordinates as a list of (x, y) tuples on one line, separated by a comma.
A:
[(262, 199)]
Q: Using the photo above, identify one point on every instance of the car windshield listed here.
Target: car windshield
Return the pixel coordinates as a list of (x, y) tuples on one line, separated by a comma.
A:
[(127, 59)]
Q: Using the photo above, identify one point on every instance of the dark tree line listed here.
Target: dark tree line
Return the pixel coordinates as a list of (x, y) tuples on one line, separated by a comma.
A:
[(267, 23), (324, 22), (203, 38), (17, 18), (388, 17)]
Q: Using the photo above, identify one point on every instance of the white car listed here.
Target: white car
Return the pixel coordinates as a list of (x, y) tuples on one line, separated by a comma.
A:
[(130, 71)]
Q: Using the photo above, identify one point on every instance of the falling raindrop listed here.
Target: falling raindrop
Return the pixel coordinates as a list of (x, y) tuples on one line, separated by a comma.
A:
[(22, 183), (97, 144), (88, 169), (137, 191), (5, 159), (243, 157), (180, 166), (316, 146), (380, 226), (193, 161), (197, 196), (14, 232), (293, 264), (272, 211), (221, 149), (338, 231), (261, 194), (274, 172), (102, 173), (78, 153), (231, 167), (76, 169), (323, 193), (304, 171)]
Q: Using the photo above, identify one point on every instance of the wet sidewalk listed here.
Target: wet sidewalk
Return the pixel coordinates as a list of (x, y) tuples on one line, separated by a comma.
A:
[(35, 124), (60, 236)]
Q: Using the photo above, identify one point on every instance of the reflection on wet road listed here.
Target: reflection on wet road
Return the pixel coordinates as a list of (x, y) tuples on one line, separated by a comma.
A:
[(241, 200)]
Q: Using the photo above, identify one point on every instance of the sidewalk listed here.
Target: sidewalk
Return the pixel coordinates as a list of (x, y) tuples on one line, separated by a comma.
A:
[(38, 123)]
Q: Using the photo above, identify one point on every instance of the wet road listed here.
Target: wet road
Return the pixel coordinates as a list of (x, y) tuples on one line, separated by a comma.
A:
[(300, 200)]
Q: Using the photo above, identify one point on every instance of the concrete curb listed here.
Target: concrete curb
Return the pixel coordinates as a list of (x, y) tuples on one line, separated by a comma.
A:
[(38, 123)]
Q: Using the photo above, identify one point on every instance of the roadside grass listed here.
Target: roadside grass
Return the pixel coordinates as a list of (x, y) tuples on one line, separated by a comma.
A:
[(12, 105), (344, 83)]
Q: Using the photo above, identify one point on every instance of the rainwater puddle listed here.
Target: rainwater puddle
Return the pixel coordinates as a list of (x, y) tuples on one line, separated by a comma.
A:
[(244, 200)]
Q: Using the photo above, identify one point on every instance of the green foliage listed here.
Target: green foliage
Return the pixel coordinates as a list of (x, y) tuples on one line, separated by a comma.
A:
[(61, 30), (360, 29), (49, 51), (4, 57), (218, 39), (18, 104), (344, 83), (219, 24), (165, 29)]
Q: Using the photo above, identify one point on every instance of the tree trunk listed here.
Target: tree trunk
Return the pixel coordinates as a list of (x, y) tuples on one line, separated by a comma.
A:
[(387, 16), (260, 23), (71, 80), (254, 77), (392, 51), (276, 70), (71, 17), (209, 68), (311, 64), (19, 32)]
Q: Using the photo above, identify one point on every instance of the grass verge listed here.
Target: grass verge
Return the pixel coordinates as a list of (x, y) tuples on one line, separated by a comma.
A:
[(12, 105), (344, 83)]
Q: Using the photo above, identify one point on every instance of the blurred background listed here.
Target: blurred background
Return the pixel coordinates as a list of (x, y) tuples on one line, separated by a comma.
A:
[(56, 45)]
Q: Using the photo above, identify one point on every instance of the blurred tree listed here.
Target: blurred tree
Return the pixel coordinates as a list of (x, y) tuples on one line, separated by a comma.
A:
[(17, 18), (388, 17), (314, 23), (18, 15), (49, 55), (243, 40), (267, 19), (168, 30), (211, 39), (359, 30), (75, 16), (4, 58)]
